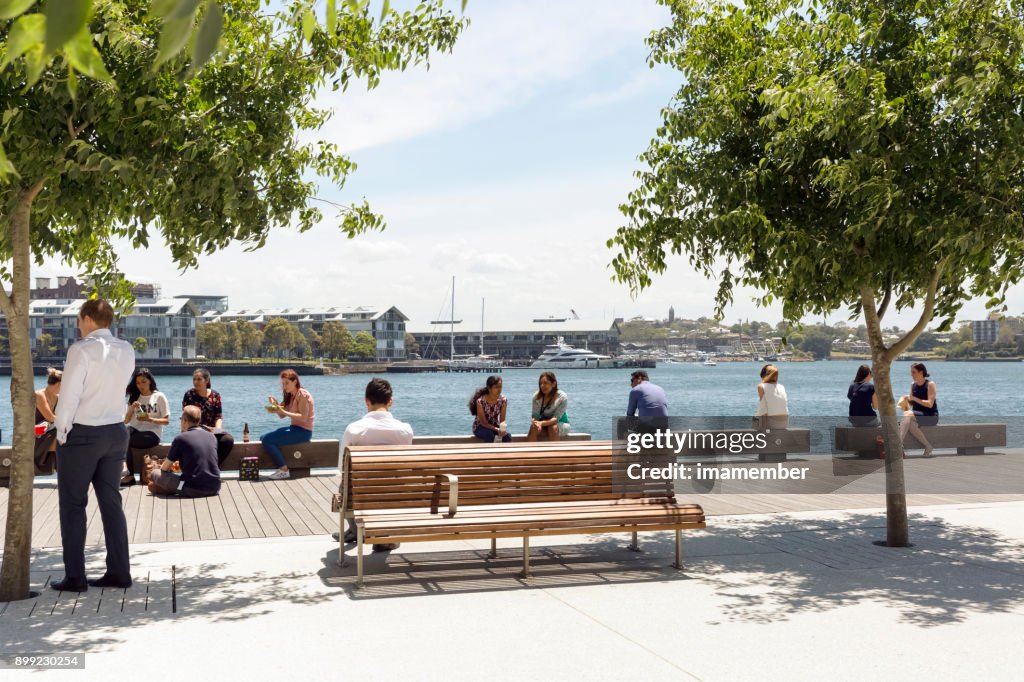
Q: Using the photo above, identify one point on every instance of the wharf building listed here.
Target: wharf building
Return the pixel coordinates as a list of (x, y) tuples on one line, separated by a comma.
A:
[(167, 325), (515, 340), (385, 324)]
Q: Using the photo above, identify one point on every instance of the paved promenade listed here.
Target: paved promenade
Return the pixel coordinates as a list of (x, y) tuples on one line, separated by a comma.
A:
[(784, 596)]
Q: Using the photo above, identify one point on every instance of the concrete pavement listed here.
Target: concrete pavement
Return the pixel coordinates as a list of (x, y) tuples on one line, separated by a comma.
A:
[(797, 596)]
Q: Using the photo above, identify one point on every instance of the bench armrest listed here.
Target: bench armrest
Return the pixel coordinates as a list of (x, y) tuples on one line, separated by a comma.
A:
[(453, 492)]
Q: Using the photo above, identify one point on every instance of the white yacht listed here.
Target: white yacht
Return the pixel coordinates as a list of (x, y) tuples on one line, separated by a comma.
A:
[(563, 356), (474, 362), (710, 362)]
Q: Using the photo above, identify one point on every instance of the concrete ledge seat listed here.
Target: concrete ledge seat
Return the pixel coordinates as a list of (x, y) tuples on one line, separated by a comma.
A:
[(968, 439)]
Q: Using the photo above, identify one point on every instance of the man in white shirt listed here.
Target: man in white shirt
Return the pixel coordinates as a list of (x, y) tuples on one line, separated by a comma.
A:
[(91, 442), (377, 427)]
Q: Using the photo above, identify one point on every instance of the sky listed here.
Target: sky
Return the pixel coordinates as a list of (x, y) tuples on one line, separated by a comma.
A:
[(503, 165)]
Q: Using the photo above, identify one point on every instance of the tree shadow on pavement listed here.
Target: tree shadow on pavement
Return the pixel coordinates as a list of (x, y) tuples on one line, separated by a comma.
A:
[(99, 619)]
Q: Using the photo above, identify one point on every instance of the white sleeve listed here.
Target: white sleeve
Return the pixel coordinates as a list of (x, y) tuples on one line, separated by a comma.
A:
[(346, 440), (72, 383), (163, 409)]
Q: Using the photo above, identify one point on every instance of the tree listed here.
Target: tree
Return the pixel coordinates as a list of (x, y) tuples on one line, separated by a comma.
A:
[(110, 131), (248, 338), (364, 346), (817, 342), (212, 339), (278, 336), (335, 339), (141, 345), (925, 342), (411, 344), (839, 155), (44, 345)]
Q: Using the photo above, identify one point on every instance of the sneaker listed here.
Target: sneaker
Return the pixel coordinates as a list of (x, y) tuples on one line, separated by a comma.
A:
[(349, 536), (279, 475), (386, 547)]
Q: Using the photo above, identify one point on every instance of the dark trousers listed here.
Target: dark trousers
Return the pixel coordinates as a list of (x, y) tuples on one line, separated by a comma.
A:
[(139, 439), (92, 455), (225, 441), (488, 436), (167, 483)]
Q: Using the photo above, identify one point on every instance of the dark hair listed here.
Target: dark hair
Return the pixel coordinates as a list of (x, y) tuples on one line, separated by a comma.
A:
[(133, 391), (919, 366), (98, 310), (640, 374), (770, 374), (205, 374), (550, 376), (862, 373), (53, 376), (482, 391), (294, 376), (378, 391)]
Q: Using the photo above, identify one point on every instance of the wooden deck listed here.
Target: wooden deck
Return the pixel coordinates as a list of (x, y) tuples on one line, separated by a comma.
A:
[(302, 506)]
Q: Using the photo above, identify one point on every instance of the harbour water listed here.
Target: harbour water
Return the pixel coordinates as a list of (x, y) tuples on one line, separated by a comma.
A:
[(436, 404)]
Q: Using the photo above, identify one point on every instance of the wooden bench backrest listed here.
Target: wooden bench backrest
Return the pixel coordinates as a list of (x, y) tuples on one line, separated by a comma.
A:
[(396, 477)]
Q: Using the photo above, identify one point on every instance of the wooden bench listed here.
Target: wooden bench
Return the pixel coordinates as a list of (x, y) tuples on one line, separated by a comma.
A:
[(968, 439), (422, 493)]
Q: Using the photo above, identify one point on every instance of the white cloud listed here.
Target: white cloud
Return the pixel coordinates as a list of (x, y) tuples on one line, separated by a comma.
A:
[(507, 55)]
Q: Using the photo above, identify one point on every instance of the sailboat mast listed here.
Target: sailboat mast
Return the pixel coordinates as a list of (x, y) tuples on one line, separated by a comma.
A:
[(452, 321), (481, 326)]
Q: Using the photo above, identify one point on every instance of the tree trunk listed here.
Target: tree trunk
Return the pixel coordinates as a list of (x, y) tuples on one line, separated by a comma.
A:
[(14, 573), (897, 531)]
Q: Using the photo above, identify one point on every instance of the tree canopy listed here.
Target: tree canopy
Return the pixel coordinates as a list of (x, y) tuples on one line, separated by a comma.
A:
[(191, 122), (834, 154)]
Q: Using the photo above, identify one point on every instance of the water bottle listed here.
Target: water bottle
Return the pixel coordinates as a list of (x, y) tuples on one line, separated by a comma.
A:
[(502, 429)]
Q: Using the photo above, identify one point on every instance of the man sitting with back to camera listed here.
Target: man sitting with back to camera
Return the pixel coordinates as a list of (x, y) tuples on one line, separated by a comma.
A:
[(377, 427), (195, 449)]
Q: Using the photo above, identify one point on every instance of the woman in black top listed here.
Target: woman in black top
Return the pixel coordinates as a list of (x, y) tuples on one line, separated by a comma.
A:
[(923, 408), (863, 401)]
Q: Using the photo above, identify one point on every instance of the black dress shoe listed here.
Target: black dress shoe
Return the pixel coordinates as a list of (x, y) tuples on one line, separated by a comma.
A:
[(386, 547), (110, 581), (68, 585), (349, 536)]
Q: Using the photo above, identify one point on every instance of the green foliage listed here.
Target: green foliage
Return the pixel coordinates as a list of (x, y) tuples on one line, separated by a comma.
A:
[(411, 344), (815, 340), (44, 345), (335, 339), (363, 346), (816, 148), (141, 345), (196, 159)]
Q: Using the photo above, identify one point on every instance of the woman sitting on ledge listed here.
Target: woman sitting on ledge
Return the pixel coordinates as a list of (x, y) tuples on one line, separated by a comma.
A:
[(863, 400), (488, 408), (297, 405), (550, 418), (209, 403), (922, 408)]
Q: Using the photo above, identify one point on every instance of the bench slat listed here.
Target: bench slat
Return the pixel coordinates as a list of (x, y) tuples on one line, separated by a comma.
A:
[(499, 534)]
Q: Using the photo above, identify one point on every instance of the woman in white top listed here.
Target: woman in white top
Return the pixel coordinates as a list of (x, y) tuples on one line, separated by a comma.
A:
[(772, 403), (148, 413)]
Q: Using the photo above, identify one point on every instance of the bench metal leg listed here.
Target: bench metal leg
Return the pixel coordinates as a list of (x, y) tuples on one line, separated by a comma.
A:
[(633, 546), (342, 559), (494, 549), (678, 565), (526, 557), (359, 555)]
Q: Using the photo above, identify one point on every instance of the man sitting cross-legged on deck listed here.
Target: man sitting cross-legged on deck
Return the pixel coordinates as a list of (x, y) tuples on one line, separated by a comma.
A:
[(377, 427), (196, 450)]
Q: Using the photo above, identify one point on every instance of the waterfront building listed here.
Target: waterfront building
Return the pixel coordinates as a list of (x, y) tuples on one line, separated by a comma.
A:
[(207, 303), (167, 325), (516, 340), (385, 324), (985, 332), (66, 288)]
